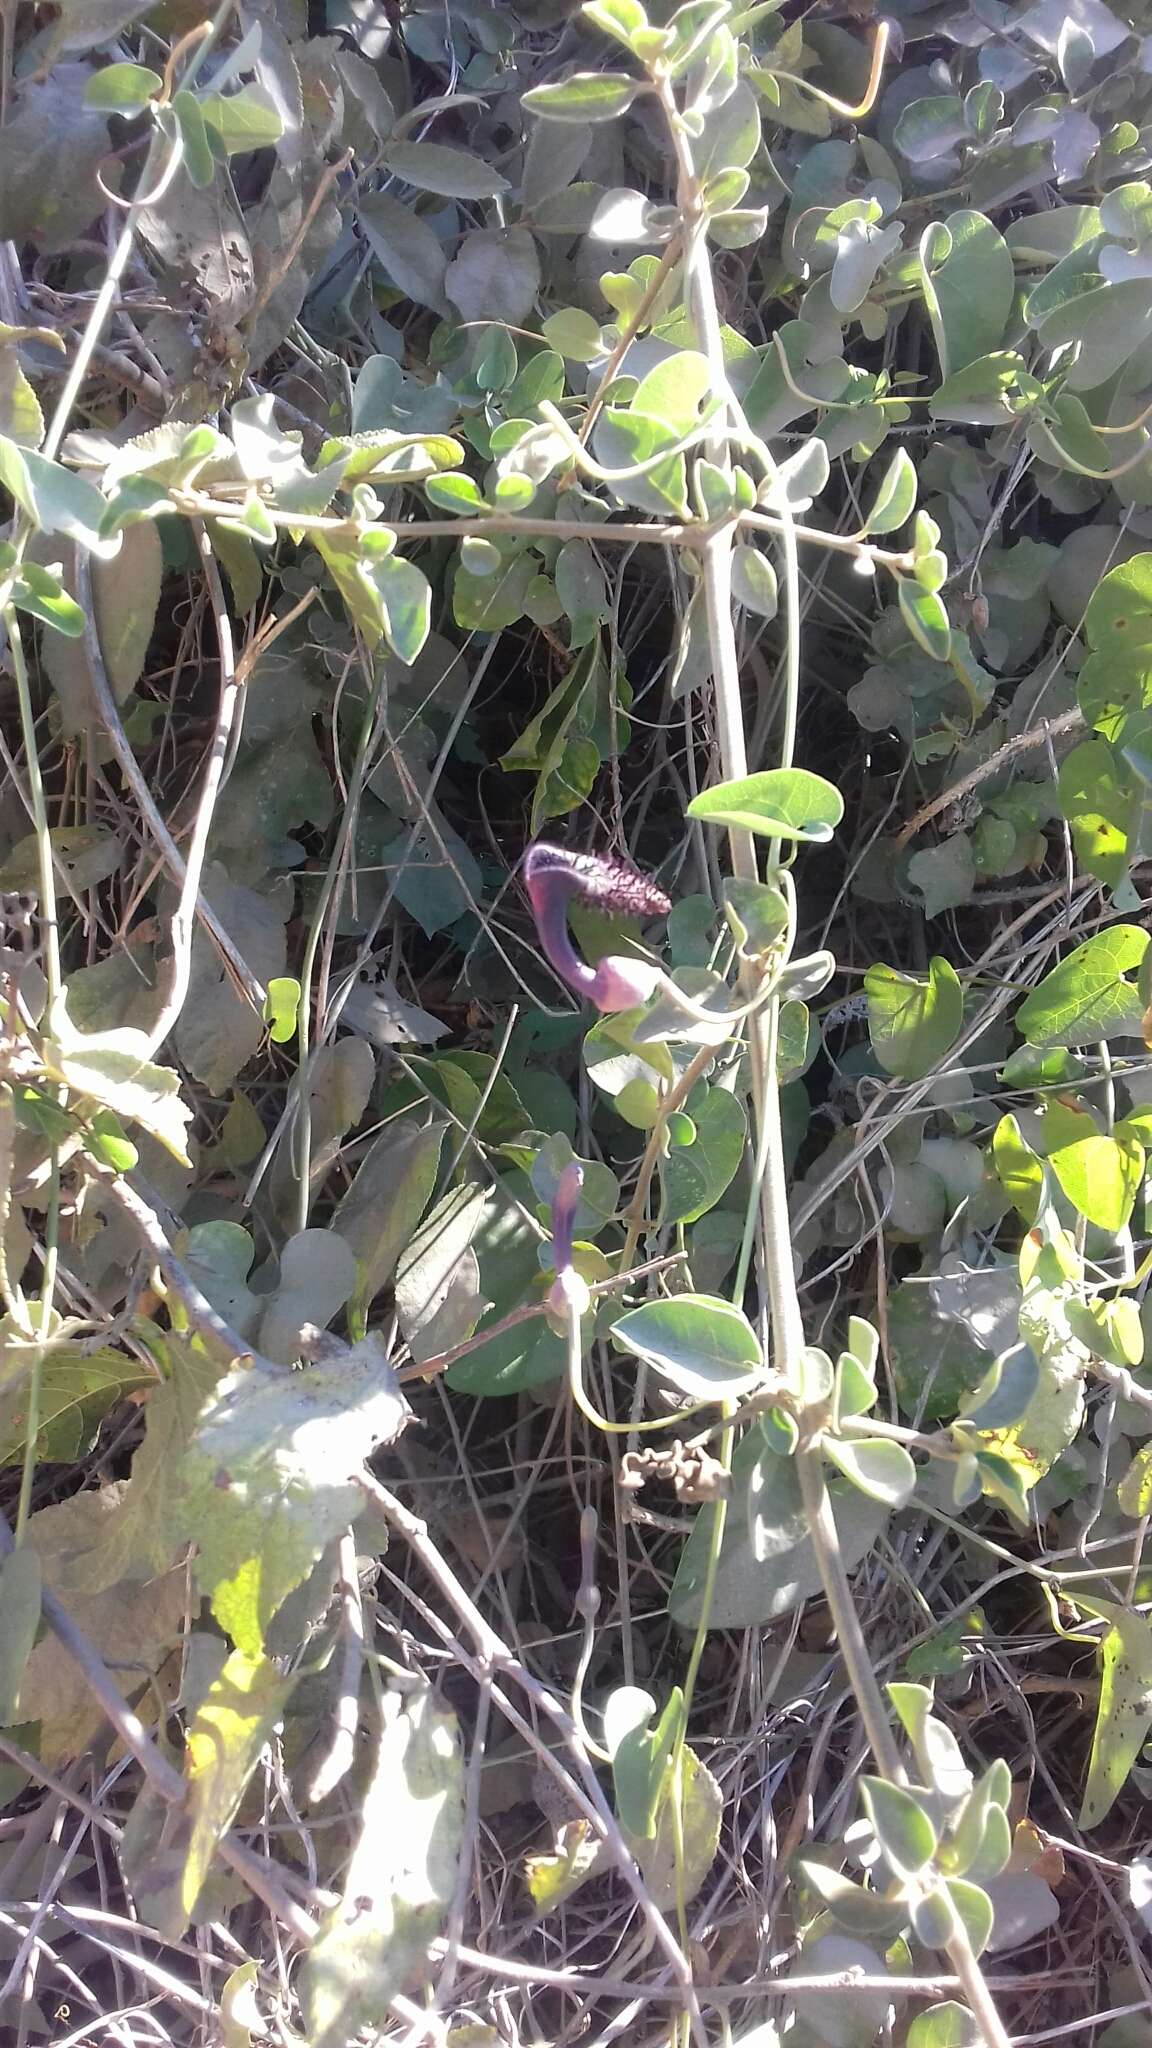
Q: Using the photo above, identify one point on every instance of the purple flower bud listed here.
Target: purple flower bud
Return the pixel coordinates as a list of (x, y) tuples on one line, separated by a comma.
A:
[(568, 1288), (552, 877), (565, 1202)]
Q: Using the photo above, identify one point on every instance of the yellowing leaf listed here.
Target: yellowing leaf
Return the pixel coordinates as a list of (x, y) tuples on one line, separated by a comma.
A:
[(1125, 1712), (224, 1742), (701, 1806), (20, 415), (1031, 1443), (268, 1480), (76, 1392), (1100, 1175), (132, 1626), (553, 1876), (1134, 1493), (240, 2015), (1017, 1168), (143, 1535)]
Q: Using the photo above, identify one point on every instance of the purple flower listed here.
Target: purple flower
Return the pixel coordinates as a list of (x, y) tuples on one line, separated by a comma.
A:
[(552, 877)]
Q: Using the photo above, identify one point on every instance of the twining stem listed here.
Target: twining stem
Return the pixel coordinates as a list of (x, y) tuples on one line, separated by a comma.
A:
[(133, 775), (637, 1207), (50, 937), (776, 1238), (183, 923), (197, 504)]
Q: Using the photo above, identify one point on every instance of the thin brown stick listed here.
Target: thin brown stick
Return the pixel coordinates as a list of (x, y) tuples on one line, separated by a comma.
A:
[(165, 1781), (280, 270), (133, 775), (1036, 736), (199, 1311), (338, 1760), (492, 1655), (431, 1367), (592, 1984), (179, 973)]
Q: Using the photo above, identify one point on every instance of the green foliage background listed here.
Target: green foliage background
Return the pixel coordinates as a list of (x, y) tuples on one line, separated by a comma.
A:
[(719, 438)]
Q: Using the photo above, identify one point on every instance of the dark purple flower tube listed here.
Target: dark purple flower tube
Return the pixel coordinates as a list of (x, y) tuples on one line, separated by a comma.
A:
[(552, 877), (565, 1203), (568, 1289)]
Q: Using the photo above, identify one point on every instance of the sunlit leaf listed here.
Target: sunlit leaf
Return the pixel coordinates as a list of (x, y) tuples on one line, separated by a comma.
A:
[(113, 1068), (969, 295), (676, 1859), (585, 96), (224, 1741), (783, 803), (267, 1481), (925, 617), (55, 498), (640, 1744), (912, 1021), (400, 1880), (881, 1469), (242, 120), (701, 1345), (896, 498), (281, 1005), (1124, 1715), (1091, 995), (121, 88), (1101, 1176), (754, 581)]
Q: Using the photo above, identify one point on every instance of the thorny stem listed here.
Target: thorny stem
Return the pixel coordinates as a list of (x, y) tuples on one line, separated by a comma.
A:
[(786, 1321)]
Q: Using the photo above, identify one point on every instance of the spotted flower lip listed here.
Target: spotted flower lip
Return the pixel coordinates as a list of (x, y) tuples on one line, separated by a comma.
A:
[(552, 877), (600, 878)]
